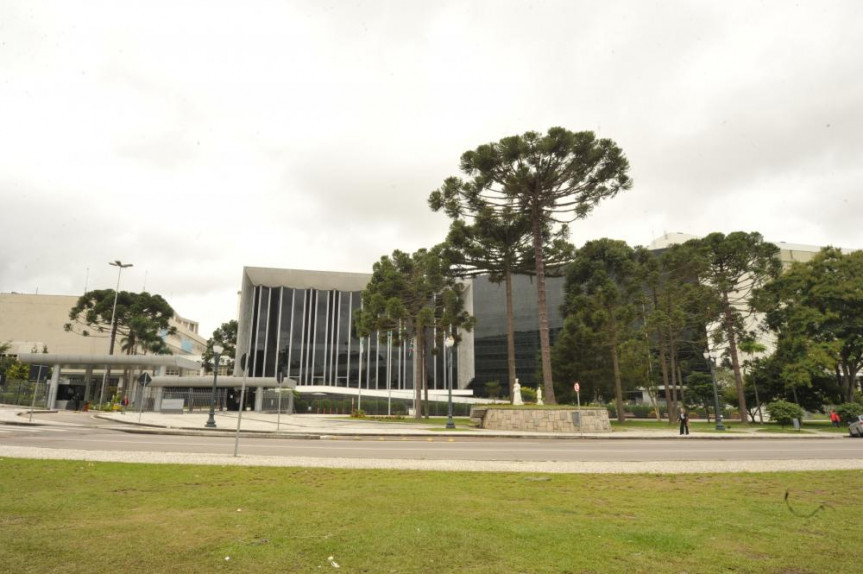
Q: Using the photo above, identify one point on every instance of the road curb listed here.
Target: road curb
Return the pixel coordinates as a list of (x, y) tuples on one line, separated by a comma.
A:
[(132, 426)]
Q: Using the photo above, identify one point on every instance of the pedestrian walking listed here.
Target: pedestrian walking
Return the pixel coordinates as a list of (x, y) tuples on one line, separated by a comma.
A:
[(684, 421)]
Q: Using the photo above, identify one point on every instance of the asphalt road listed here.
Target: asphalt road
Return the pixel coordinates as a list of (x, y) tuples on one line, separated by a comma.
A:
[(94, 435)]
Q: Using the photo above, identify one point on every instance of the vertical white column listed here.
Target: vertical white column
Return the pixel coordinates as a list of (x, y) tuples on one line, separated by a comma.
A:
[(279, 330), (325, 355), (377, 359), (338, 336), (368, 361), (303, 350), (266, 327), (350, 337), (291, 332), (315, 336), (253, 352)]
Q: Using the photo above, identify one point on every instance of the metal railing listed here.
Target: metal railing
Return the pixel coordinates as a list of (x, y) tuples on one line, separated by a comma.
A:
[(20, 393)]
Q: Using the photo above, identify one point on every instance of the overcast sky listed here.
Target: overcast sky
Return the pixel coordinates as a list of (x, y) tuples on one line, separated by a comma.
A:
[(194, 138)]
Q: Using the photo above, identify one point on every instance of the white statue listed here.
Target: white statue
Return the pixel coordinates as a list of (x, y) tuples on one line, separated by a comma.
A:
[(539, 396), (516, 394)]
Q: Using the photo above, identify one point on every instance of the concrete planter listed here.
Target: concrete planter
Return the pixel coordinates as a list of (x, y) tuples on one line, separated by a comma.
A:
[(592, 420)]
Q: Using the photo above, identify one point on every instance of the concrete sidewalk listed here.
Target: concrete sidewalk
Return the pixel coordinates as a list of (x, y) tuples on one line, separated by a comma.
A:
[(324, 426)]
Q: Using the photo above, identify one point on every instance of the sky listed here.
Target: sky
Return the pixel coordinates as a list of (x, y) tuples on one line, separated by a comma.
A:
[(194, 138)]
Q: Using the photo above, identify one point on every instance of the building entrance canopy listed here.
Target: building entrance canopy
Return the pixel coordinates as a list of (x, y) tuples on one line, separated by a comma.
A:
[(223, 381), (95, 361), (90, 362)]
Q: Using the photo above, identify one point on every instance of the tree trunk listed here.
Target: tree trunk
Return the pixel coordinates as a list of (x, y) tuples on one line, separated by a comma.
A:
[(650, 393), (757, 404), (848, 379), (418, 370), (618, 386), (656, 408), (426, 381), (672, 366), (664, 369), (735, 362), (510, 333), (542, 311)]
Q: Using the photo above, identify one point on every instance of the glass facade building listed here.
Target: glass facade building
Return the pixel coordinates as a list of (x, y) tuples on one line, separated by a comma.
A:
[(307, 316), (489, 303)]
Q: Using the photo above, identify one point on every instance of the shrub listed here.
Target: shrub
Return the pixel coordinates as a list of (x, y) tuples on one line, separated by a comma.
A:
[(528, 394), (492, 389), (641, 411), (358, 414), (784, 412), (848, 412)]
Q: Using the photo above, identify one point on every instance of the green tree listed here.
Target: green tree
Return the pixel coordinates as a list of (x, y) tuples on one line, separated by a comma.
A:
[(750, 347), (602, 283), (139, 317), (10, 366), (578, 356), (553, 179), (816, 310), (770, 375), (733, 266), (497, 243), (784, 412), (17, 370), (848, 412), (676, 310), (699, 390), (407, 296), (141, 320), (226, 336)]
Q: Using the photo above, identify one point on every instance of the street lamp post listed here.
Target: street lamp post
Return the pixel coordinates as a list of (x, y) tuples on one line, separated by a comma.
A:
[(211, 422), (448, 343), (120, 266), (709, 358)]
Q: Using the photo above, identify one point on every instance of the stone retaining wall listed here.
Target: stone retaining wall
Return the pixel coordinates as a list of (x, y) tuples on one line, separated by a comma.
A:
[(542, 420)]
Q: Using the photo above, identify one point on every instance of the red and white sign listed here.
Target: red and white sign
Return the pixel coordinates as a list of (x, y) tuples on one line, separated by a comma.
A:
[(577, 387)]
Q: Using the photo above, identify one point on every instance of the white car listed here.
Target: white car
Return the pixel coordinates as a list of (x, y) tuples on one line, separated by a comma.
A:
[(856, 428)]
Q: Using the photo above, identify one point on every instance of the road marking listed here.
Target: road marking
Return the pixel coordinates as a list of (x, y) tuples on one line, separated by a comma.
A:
[(31, 429)]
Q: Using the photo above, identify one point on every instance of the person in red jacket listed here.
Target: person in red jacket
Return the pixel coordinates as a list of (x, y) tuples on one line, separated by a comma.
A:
[(834, 418)]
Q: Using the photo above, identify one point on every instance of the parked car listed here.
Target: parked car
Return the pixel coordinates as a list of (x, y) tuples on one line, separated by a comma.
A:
[(856, 428)]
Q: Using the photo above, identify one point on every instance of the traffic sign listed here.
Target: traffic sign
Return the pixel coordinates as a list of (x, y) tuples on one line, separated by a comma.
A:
[(145, 379), (576, 386)]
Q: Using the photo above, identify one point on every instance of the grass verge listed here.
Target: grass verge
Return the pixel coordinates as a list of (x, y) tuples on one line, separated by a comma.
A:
[(71, 516), (730, 426)]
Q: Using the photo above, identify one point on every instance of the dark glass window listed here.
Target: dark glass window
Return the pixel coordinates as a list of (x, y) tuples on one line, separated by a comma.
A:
[(489, 302)]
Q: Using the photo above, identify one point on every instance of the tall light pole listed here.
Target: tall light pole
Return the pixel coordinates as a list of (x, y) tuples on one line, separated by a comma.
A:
[(448, 343), (211, 422), (709, 358), (120, 266)]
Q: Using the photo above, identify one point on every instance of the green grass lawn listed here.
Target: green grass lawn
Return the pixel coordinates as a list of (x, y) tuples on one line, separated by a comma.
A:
[(730, 426), (652, 424), (69, 516), (434, 423)]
